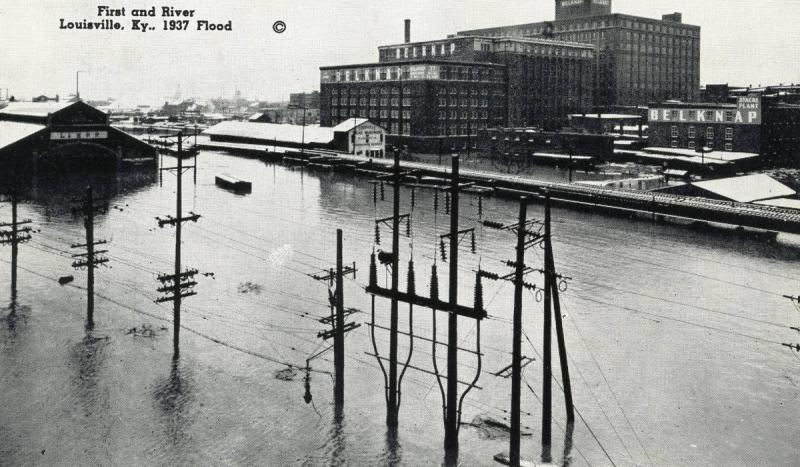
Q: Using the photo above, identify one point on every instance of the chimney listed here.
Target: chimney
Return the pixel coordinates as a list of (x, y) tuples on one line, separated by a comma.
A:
[(408, 31)]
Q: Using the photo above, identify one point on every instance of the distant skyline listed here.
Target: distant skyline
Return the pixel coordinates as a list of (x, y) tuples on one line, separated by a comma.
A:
[(743, 42)]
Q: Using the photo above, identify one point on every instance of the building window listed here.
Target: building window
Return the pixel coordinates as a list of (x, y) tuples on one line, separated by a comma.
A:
[(729, 146), (692, 144), (674, 132), (674, 143), (729, 133), (710, 133), (691, 132)]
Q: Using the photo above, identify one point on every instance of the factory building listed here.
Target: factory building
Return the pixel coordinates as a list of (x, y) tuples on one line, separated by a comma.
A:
[(427, 93), (754, 124), (66, 137), (639, 60)]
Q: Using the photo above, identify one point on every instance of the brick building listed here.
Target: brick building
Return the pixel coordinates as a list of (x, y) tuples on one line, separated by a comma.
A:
[(640, 59), (307, 100), (763, 126), (427, 92)]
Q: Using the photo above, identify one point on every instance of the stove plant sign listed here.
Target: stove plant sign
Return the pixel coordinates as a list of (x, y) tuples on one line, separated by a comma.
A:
[(747, 112)]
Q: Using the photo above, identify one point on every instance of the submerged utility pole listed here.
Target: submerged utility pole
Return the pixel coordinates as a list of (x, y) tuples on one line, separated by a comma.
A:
[(451, 422), (337, 318), (552, 283), (89, 259), (180, 284), (14, 237), (451, 401), (516, 364)]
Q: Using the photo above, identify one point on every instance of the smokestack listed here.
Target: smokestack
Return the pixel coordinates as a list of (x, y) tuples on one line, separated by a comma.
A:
[(408, 31)]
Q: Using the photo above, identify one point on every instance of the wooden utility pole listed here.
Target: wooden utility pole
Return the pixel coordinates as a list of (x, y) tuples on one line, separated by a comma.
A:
[(393, 409), (451, 401), (516, 364), (554, 284), (551, 300), (180, 284), (89, 259), (451, 422), (14, 237), (337, 318)]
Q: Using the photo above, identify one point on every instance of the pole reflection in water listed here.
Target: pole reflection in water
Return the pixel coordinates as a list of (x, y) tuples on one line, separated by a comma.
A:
[(174, 397), (567, 459), (338, 437), (392, 455), (88, 356)]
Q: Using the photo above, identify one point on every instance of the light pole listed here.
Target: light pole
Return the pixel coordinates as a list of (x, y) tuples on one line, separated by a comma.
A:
[(77, 83)]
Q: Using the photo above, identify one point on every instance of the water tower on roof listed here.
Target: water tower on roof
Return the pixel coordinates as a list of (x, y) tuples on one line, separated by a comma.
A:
[(570, 9)]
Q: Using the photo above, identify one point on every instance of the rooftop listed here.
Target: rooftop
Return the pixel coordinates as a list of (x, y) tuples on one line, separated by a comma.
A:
[(34, 109), (11, 132), (748, 188)]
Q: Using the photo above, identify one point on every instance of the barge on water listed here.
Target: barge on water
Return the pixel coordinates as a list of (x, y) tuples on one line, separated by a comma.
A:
[(232, 183)]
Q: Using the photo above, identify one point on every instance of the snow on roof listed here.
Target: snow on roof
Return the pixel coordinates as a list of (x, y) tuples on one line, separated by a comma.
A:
[(268, 132), (349, 124), (11, 132), (792, 203), (713, 155), (747, 189), (34, 109)]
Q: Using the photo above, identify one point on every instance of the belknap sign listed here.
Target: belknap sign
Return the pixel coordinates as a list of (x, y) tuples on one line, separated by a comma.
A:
[(747, 112)]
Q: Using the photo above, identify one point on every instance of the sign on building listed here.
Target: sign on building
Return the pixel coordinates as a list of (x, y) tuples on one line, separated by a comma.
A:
[(72, 135), (747, 112)]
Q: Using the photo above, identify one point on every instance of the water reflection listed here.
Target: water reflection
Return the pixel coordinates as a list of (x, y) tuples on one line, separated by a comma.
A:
[(392, 455), (88, 356), (337, 455), (56, 192), (173, 396), (567, 458), (12, 316)]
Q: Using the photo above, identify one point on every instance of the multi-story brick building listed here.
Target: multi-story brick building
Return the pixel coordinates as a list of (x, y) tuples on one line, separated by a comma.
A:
[(753, 124), (444, 89), (640, 59)]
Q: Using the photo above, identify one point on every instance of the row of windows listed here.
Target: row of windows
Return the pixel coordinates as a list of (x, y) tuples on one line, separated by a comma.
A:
[(416, 72), (426, 50), (693, 145), (587, 25), (692, 132), (395, 102), (440, 91)]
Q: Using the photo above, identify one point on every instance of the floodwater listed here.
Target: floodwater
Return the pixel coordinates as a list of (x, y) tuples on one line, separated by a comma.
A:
[(674, 335)]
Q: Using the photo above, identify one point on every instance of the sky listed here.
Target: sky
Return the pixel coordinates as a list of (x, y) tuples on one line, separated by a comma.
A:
[(743, 42)]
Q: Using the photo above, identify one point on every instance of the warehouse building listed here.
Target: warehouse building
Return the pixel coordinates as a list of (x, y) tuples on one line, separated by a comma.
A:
[(425, 93), (639, 60), (353, 136), (66, 137), (763, 126)]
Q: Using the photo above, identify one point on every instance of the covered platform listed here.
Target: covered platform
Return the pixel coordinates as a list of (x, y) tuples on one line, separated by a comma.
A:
[(66, 137)]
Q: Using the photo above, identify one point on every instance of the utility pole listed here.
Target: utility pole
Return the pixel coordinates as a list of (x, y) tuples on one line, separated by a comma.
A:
[(14, 237), (526, 238), (89, 259), (451, 401), (516, 364), (337, 319), (180, 284), (552, 283), (451, 423)]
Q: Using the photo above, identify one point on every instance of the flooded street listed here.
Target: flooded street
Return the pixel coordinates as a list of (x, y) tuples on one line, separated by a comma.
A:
[(674, 335)]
